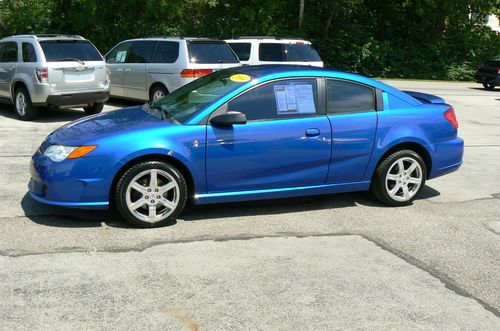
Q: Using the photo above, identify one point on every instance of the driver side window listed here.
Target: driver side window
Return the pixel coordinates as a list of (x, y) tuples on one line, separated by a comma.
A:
[(119, 53), (281, 99)]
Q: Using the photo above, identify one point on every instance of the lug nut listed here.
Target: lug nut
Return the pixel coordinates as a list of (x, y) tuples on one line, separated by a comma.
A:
[(147, 197), (159, 197)]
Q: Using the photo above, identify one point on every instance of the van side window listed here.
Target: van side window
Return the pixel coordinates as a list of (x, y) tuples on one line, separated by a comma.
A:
[(166, 52), (242, 50), (141, 51), (271, 52), (29, 54), (8, 52)]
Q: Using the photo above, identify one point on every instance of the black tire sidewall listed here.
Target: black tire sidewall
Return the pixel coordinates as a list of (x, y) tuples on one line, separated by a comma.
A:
[(157, 88), (126, 178), (95, 108), (378, 184), (489, 86), (31, 111)]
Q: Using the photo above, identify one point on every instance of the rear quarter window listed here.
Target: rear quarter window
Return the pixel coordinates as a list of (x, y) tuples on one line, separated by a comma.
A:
[(69, 50), (210, 52), (29, 54), (344, 97), (301, 53)]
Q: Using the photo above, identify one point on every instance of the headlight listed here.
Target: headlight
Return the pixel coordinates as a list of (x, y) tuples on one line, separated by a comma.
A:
[(58, 153)]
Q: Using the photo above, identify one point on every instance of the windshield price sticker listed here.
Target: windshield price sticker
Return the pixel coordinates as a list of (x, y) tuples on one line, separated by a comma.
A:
[(294, 99)]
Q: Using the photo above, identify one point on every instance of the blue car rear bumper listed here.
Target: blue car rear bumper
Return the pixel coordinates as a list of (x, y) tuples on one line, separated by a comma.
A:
[(446, 157)]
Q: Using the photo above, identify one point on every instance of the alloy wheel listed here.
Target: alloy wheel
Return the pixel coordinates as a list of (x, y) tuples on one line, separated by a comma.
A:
[(152, 195), (403, 179), (20, 104)]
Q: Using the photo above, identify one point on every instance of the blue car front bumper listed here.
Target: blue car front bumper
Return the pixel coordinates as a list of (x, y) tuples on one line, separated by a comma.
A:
[(81, 183)]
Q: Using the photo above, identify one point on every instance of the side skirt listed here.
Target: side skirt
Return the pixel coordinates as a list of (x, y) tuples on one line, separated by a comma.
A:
[(287, 192)]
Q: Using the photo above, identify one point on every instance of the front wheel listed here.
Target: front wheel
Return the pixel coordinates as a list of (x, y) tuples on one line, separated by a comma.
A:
[(151, 194), (399, 178), (488, 86), (157, 92), (94, 108)]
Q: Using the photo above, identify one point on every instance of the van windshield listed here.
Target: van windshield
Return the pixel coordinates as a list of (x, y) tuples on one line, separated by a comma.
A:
[(69, 50), (186, 101)]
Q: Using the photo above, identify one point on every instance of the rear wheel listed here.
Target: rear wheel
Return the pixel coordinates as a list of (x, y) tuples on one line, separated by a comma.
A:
[(399, 178), (25, 110), (151, 194), (157, 92), (94, 108), (488, 86)]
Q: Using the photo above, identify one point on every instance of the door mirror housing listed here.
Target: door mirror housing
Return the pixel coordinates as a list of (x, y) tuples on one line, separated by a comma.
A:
[(228, 119)]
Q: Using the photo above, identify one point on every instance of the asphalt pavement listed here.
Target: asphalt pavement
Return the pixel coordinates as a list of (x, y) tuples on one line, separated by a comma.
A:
[(332, 262)]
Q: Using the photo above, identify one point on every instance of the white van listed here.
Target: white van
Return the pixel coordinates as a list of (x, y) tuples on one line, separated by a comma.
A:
[(275, 50), (150, 68)]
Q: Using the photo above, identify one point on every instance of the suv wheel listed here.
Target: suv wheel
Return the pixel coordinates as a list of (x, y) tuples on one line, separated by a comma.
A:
[(488, 86), (151, 194), (94, 108), (157, 92), (25, 110), (399, 178)]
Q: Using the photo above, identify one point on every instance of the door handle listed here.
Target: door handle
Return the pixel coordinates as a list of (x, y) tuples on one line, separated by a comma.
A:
[(312, 132)]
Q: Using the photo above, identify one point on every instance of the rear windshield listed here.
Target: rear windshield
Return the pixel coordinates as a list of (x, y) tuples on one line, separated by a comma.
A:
[(210, 52), (493, 64), (301, 52), (69, 50)]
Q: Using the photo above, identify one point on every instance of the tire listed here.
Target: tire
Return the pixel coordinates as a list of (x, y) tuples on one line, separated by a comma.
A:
[(157, 92), (94, 108), (137, 204), (489, 86), (389, 182), (25, 110)]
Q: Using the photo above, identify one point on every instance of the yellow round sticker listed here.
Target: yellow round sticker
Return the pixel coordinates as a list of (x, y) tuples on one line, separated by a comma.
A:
[(240, 78)]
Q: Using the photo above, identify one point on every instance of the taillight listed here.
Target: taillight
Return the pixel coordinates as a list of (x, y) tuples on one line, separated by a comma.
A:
[(450, 116), (195, 73), (498, 71), (42, 74)]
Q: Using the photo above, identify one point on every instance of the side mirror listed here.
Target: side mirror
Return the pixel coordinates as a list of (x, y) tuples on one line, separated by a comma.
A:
[(229, 118)]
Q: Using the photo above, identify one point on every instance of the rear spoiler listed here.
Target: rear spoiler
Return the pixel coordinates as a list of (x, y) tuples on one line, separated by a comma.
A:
[(425, 98)]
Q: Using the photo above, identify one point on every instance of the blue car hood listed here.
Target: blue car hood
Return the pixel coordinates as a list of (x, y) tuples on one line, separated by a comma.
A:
[(105, 124)]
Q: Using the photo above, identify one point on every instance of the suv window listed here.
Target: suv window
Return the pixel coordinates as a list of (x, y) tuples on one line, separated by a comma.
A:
[(242, 50), (301, 53), (271, 52), (8, 51), (210, 52), (166, 52), (493, 64), (69, 50), (278, 100), (141, 51), (119, 53), (29, 54), (345, 97)]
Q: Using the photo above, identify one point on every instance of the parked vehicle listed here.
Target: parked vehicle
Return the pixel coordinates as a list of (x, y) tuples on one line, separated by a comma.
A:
[(275, 50), (489, 74), (256, 132), (52, 70), (150, 68)]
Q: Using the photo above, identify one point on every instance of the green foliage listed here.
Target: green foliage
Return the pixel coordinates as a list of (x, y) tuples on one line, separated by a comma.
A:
[(439, 39)]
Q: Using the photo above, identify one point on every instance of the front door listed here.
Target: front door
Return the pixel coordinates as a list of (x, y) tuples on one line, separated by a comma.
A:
[(134, 73), (8, 63), (285, 143)]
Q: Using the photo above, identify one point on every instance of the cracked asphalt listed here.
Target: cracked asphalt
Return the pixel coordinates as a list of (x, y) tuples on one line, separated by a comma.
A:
[(331, 262)]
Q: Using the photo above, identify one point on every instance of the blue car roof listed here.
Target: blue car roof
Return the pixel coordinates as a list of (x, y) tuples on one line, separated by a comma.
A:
[(273, 71)]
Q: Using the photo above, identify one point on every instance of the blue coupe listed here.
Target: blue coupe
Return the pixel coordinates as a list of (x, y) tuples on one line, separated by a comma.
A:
[(250, 133)]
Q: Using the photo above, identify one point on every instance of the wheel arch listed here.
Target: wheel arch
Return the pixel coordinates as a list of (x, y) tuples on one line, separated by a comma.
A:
[(410, 145), (188, 177), (15, 85)]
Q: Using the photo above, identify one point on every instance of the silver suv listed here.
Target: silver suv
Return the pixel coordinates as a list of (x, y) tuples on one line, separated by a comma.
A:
[(52, 70), (150, 68)]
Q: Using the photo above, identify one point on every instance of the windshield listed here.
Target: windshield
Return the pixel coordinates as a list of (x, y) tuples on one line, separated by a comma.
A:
[(69, 50), (301, 53), (183, 103)]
